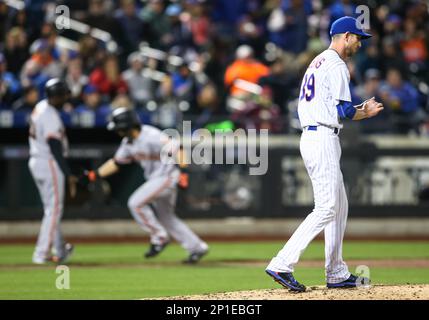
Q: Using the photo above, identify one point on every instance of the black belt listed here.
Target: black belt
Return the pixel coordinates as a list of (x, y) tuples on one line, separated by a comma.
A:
[(314, 128)]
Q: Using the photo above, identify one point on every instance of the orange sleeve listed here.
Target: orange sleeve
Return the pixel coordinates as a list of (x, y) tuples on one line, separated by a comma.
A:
[(230, 75), (263, 70)]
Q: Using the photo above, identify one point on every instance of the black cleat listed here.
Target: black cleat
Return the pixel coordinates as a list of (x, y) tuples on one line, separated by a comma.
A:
[(155, 249), (287, 280), (195, 257)]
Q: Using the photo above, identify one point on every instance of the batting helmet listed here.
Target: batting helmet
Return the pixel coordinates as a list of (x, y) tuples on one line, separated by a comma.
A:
[(56, 87), (123, 119)]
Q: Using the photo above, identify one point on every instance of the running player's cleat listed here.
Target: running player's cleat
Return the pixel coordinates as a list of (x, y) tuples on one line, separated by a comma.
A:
[(287, 280), (68, 252), (155, 249), (195, 257), (352, 282)]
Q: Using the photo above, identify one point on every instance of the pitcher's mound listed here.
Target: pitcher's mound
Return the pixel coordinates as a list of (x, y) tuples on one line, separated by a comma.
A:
[(375, 292)]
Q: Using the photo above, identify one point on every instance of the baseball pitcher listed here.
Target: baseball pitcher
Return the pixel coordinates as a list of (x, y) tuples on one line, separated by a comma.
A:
[(323, 102)]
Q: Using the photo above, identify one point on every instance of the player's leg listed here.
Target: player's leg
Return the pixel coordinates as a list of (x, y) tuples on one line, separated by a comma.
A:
[(165, 210), (139, 206), (58, 243), (52, 206), (59, 193), (322, 164), (335, 268), (42, 250)]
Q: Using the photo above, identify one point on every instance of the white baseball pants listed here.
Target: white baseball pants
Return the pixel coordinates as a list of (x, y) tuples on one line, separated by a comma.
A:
[(50, 182), (321, 152), (152, 206)]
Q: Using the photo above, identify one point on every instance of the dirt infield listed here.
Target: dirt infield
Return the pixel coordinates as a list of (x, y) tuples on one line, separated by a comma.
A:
[(376, 292)]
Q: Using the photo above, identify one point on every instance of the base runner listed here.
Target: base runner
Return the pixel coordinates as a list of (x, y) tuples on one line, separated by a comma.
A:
[(152, 204)]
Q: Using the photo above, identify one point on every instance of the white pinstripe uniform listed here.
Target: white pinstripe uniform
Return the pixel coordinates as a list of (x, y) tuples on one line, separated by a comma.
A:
[(152, 205), (45, 123), (325, 83)]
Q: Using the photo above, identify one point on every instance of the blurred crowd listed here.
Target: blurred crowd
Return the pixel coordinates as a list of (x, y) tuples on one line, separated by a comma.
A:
[(220, 63)]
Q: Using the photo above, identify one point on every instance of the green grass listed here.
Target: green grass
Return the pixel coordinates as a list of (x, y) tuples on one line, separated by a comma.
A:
[(117, 271)]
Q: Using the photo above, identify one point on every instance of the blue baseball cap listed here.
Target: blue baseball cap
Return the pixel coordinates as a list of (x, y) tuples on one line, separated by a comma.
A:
[(348, 24), (89, 89), (173, 10)]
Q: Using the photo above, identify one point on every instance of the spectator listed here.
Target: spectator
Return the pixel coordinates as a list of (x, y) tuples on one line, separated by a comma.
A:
[(141, 86), (370, 59), (414, 45), (392, 27), (78, 8), (179, 34), (369, 88), (251, 27), (28, 101), (246, 68), (401, 98), (100, 17), (282, 81), (16, 49), (153, 15), (185, 87), (198, 22), (308, 5), (218, 58), (208, 100), (341, 8), (36, 11), (227, 12), (48, 32), (259, 113), (206, 33), (91, 53), (20, 20), (107, 78), (9, 85), (41, 66), (93, 107), (392, 56), (289, 28), (122, 100), (133, 28), (276, 23), (418, 11), (76, 80), (399, 95), (167, 113), (6, 16)]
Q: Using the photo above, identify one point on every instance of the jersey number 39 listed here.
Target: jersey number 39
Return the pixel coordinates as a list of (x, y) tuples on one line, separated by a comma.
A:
[(308, 88)]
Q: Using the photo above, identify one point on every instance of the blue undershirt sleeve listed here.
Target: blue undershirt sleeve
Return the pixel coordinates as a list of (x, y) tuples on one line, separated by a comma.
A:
[(346, 110)]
